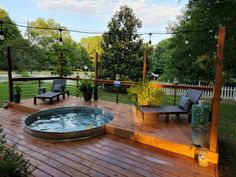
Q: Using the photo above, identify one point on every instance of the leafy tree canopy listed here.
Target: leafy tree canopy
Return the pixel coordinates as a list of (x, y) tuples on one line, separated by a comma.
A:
[(92, 45), (194, 42), (122, 47)]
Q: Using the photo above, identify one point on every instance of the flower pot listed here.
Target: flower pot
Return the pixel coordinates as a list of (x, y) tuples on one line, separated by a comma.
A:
[(87, 96), (16, 98), (199, 136)]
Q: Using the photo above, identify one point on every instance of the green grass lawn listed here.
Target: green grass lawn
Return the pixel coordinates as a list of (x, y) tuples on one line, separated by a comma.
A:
[(227, 120)]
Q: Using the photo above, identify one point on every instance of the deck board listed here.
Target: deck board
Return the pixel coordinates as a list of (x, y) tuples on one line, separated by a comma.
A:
[(105, 155)]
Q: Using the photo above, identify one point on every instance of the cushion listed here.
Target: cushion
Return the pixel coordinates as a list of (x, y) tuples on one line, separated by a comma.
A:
[(57, 88), (185, 103)]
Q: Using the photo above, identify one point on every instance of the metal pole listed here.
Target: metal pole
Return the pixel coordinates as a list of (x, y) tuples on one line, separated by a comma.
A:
[(96, 77)]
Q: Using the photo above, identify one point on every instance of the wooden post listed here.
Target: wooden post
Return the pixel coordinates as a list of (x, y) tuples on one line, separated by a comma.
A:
[(96, 77), (145, 61), (117, 95), (61, 65), (175, 96), (217, 89), (39, 83), (9, 69)]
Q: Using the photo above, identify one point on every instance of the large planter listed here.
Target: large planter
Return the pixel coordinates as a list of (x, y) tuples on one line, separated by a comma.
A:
[(199, 124), (199, 136), (16, 98), (87, 96)]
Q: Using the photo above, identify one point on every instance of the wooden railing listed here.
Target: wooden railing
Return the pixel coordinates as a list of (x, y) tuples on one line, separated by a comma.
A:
[(174, 90)]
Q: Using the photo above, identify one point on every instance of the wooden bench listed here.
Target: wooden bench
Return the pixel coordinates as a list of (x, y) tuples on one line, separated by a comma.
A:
[(50, 96), (167, 110)]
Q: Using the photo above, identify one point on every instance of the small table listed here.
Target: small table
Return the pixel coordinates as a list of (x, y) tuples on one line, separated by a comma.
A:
[(50, 96)]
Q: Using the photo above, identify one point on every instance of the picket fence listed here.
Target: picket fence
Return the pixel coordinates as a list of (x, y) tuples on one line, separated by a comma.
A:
[(227, 93)]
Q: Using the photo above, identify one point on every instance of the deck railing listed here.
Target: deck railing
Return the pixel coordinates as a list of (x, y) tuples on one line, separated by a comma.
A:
[(34, 83)]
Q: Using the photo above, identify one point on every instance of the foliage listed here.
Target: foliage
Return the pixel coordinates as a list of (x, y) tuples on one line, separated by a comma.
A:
[(12, 164), (17, 90), (146, 94), (11, 33), (92, 45), (85, 86), (161, 60), (47, 40), (122, 47), (195, 39), (200, 115)]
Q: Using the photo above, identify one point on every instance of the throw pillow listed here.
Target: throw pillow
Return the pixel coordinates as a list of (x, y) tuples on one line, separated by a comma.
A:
[(185, 103), (57, 88)]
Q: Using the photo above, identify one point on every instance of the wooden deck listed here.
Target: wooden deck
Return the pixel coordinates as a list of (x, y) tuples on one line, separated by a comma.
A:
[(106, 155)]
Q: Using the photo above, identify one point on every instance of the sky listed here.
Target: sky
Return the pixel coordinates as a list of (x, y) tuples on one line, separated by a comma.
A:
[(94, 15)]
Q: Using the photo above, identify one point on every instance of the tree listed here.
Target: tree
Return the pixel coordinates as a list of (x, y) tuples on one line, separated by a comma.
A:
[(122, 47), (11, 33), (92, 45), (195, 40), (161, 60), (47, 39)]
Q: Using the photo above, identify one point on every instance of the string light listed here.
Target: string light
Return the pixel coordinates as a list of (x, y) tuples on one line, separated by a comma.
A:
[(1, 31), (150, 38), (60, 38)]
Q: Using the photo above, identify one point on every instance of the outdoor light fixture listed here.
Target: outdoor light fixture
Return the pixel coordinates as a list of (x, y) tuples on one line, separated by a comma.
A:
[(1, 31), (60, 38), (150, 38), (186, 42)]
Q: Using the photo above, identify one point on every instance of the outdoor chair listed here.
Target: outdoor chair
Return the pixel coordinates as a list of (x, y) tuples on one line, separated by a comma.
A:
[(58, 88), (186, 102)]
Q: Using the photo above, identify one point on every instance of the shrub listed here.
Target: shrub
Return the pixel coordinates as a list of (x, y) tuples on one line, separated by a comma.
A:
[(12, 164), (146, 94)]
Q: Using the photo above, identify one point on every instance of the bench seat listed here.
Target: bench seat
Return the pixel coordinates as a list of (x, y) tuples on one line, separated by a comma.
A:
[(50, 96)]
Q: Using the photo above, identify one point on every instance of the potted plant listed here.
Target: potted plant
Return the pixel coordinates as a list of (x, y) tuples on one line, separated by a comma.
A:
[(17, 94), (199, 124), (146, 94), (86, 88)]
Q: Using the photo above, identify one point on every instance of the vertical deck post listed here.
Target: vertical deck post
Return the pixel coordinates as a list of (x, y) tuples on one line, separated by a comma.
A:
[(9, 69), (217, 89), (145, 61), (96, 77)]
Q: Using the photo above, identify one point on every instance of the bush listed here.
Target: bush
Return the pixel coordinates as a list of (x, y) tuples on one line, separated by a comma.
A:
[(12, 164)]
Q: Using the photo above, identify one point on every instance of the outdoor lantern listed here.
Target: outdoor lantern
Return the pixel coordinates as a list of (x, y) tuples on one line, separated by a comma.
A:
[(1, 32), (117, 84), (60, 38), (203, 157)]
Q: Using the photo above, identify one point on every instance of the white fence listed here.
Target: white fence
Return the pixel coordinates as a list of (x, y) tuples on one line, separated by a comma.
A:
[(227, 93)]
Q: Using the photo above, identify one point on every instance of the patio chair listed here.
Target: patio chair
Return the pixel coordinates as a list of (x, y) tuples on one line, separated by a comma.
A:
[(58, 88), (186, 102)]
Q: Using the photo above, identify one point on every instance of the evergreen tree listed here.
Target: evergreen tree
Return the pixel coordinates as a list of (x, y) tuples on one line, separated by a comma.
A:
[(122, 47)]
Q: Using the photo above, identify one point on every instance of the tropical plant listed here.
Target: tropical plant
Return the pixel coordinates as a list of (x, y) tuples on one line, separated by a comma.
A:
[(145, 93), (86, 88)]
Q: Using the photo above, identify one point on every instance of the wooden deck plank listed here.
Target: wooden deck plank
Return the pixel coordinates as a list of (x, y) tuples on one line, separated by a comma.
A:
[(101, 156)]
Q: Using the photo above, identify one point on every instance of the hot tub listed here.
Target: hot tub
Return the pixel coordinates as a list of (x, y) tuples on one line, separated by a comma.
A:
[(67, 123)]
